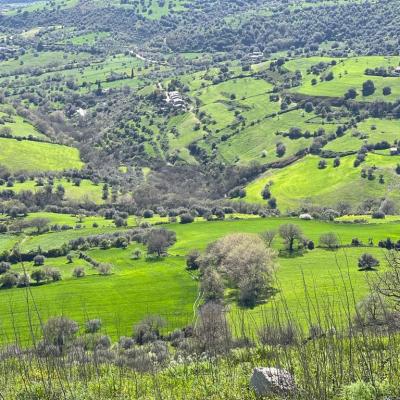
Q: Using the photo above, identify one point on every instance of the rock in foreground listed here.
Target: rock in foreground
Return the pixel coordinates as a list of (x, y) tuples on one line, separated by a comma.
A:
[(267, 381)]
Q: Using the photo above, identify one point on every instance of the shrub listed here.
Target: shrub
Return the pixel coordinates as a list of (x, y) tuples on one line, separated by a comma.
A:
[(280, 149), (272, 203), (367, 262), (53, 273), (78, 272), (219, 213), (105, 269), (358, 391), (378, 215), (212, 331), (59, 331), (4, 267), (136, 254), (23, 280), (93, 325), (148, 214), (368, 88), (356, 242), (8, 280), (278, 335), (336, 162), (374, 313), (192, 260), (120, 222), (266, 193), (38, 260), (186, 219), (237, 192), (148, 330), (329, 240), (322, 164)]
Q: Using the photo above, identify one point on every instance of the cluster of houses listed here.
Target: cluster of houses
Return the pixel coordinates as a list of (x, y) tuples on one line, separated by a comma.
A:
[(256, 57), (176, 100)]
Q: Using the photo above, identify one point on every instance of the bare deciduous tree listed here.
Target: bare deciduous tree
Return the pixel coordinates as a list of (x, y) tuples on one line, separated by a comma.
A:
[(268, 237), (291, 233)]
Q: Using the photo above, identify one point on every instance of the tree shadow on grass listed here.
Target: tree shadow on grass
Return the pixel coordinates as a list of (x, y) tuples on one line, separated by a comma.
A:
[(292, 254), (266, 295), (154, 259)]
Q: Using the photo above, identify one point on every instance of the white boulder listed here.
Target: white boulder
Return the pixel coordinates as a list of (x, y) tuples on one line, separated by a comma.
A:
[(267, 381)]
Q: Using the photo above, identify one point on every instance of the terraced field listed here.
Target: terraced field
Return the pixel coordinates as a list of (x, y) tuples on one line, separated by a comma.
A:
[(258, 142), (304, 183), (349, 74)]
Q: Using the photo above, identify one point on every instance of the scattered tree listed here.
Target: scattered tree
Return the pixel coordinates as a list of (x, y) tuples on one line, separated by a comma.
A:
[(329, 240), (367, 262), (38, 275), (38, 260), (368, 88), (291, 234)]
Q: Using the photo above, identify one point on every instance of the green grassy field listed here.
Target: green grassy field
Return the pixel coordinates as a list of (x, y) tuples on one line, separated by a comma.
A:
[(304, 183), (42, 5), (241, 89), (348, 73), (252, 141), (30, 156), (19, 127), (368, 219), (87, 38), (41, 60), (371, 130), (87, 190), (186, 133), (139, 287), (135, 289), (71, 220)]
